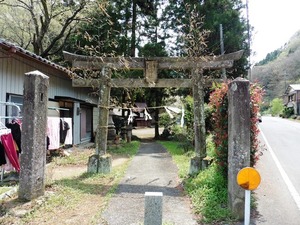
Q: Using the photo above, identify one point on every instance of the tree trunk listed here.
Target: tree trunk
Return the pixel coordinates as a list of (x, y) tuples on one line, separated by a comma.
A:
[(132, 47)]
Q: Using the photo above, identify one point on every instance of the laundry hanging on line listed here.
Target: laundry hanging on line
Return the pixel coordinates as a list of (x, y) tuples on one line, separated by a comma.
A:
[(59, 132)]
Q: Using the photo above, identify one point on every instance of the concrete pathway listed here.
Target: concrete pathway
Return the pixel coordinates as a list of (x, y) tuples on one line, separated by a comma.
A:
[(151, 170)]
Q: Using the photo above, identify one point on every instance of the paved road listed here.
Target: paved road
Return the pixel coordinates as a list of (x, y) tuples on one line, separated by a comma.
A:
[(151, 170), (279, 166)]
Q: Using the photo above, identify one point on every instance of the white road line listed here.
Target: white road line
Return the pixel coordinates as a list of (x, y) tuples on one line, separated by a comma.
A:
[(285, 177)]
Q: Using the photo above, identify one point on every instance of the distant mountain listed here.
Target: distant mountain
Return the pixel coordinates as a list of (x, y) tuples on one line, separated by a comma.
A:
[(279, 69), (270, 57)]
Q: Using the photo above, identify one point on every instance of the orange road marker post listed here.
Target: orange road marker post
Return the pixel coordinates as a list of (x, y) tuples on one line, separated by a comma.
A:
[(249, 179)]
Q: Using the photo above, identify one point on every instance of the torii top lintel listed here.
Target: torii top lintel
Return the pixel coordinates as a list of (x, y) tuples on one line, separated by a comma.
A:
[(150, 65)]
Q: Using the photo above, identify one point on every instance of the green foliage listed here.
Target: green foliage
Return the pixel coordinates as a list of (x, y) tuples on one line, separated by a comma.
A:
[(270, 57), (276, 106), (185, 135), (189, 115), (219, 104), (210, 146), (211, 13), (287, 112), (208, 191), (153, 50), (184, 139), (165, 120)]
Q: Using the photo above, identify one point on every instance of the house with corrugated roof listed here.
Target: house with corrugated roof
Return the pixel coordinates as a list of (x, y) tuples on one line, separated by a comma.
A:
[(292, 98), (64, 100)]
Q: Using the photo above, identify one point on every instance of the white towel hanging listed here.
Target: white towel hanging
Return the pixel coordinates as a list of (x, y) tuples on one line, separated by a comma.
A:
[(147, 115), (169, 112), (130, 117), (182, 117)]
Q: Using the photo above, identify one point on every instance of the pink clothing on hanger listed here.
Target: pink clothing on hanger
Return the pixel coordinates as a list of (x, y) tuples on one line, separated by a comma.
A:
[(10, 150)]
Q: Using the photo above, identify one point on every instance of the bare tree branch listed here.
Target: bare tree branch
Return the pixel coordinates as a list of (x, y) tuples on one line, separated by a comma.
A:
[(67, 23)]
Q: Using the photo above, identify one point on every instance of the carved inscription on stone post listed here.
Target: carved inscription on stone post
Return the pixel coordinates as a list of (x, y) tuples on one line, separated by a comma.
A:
[(151, 72)]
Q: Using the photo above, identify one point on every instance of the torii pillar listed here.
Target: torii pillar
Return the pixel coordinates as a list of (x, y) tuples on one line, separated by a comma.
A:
[(101, 162), (197, 163)]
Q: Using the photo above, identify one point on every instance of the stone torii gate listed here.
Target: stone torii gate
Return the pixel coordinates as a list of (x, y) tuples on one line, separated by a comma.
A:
[(101, 162)]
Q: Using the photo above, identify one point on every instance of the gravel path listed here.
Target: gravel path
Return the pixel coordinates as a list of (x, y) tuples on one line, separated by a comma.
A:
[(151, 170)]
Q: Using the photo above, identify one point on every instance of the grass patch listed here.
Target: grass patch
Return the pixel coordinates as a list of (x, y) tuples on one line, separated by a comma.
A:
[(207, 190), (129, 149)]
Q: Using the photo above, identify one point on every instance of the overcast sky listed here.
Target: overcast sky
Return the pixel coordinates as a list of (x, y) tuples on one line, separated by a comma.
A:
[(275, 22)]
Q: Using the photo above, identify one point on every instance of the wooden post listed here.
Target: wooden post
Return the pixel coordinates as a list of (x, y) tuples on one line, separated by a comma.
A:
[(101, 161), (199, 122)]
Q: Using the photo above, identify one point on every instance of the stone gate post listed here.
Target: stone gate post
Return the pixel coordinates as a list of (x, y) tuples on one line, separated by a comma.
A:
[(34, 123), (238, 141)]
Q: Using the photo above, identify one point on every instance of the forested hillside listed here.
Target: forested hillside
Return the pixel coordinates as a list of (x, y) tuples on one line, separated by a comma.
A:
[(279, 69)]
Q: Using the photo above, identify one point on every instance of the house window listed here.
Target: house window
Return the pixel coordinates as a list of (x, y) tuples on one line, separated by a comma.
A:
[(14, 111)]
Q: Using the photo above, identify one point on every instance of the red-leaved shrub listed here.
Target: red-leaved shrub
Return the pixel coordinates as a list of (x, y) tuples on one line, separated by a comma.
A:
[(219, 104)]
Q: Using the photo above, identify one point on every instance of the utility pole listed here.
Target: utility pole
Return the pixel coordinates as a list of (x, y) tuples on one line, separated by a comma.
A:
[(222, 51), (249, 42)]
